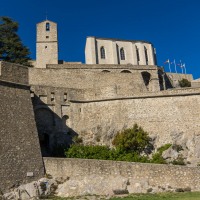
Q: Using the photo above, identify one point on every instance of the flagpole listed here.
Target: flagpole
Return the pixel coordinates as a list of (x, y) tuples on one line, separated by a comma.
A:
[(169, 67), (175, 66), (181, 67), (184, 68)]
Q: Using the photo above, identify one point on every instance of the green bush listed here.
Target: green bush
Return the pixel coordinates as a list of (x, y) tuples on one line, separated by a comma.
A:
[(179, 161), (132, 140), (184, 83), (103, 153), (130, 146), (164, 148), (89, 152), (157, 157)]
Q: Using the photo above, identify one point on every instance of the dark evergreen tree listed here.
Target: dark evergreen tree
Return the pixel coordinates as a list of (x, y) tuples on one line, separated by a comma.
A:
[(11, 47)]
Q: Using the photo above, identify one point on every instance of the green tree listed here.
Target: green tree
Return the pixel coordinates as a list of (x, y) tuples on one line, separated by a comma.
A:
[(11, 47), (184, 83), (132, 140)]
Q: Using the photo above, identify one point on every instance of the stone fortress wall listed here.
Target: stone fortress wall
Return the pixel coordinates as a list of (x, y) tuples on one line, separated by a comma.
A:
[(20, 155), (175, 78), (96, 83), (121, 177), (97, 99), (93, 101), (168, 118)]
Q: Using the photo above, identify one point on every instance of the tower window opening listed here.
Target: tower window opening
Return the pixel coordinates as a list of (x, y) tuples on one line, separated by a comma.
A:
[(65, 96), (138, 55), (146, 55), (122, 54), (45, 47), (47, 36), (103, 53), (47, 26), (52, 96)]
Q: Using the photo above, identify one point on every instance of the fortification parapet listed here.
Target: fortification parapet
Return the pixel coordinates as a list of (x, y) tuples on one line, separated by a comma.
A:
[(20, 156), (15, 73)]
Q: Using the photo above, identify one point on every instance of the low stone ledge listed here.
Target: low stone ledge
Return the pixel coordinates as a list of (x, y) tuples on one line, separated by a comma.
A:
[(122, 176)]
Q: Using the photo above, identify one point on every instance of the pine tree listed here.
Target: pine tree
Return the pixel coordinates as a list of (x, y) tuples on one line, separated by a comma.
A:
[(11, 47)]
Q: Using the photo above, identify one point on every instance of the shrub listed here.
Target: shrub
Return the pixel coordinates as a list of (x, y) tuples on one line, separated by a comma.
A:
[(132, 140), (157, 157), (129, 144), (164, 148), (184, 83), (177, 147), (103, 153), (89, 152), (179, 161)]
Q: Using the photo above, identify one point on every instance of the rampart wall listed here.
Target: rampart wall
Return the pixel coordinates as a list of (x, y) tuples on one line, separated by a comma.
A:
[(20, 156), (102, 85), (112, 177), (102, 66), (13, 73), (169, 118), (110, 84), (176, 77)]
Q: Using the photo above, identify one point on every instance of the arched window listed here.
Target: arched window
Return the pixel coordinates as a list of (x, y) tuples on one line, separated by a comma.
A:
[(146, 78), (122, 54), (137, 53), (103, 53), (125, 71), (146, 55), (105, 71), (47, 26)]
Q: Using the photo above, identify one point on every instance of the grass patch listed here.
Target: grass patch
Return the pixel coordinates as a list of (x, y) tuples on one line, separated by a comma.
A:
[(163, 196), (160, 196)]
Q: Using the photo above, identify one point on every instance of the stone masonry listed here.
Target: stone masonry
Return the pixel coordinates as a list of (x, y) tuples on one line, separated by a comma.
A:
[(20, 155), (103, 177)]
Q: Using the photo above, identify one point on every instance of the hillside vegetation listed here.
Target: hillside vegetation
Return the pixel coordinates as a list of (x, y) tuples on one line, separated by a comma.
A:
[(132, 145)]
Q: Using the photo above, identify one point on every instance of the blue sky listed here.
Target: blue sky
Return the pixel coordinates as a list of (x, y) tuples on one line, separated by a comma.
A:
[(173, 26)]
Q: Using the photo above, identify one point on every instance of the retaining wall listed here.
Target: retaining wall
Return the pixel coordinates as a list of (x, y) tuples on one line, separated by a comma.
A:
[(103, 177)]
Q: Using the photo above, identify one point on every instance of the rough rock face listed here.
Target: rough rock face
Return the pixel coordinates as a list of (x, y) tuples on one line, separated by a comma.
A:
[(92, 186), (188, 148), (34, 190)]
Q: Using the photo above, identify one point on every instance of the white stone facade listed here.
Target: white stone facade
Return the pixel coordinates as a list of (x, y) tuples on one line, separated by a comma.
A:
[(113, 51), (47, 44)]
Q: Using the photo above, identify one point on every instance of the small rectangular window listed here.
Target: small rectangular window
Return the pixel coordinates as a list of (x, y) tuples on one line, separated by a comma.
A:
[(52, 96), (47, 26), (103, 53), (65, 96), (146, 55), (138, 55)]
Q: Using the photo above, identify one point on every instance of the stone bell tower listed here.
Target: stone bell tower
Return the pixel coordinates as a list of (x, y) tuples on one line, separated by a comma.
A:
[(46, 44)]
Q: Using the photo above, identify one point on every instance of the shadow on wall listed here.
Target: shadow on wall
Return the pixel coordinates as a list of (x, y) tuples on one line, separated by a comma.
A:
[(146, 78), (54, 134)]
